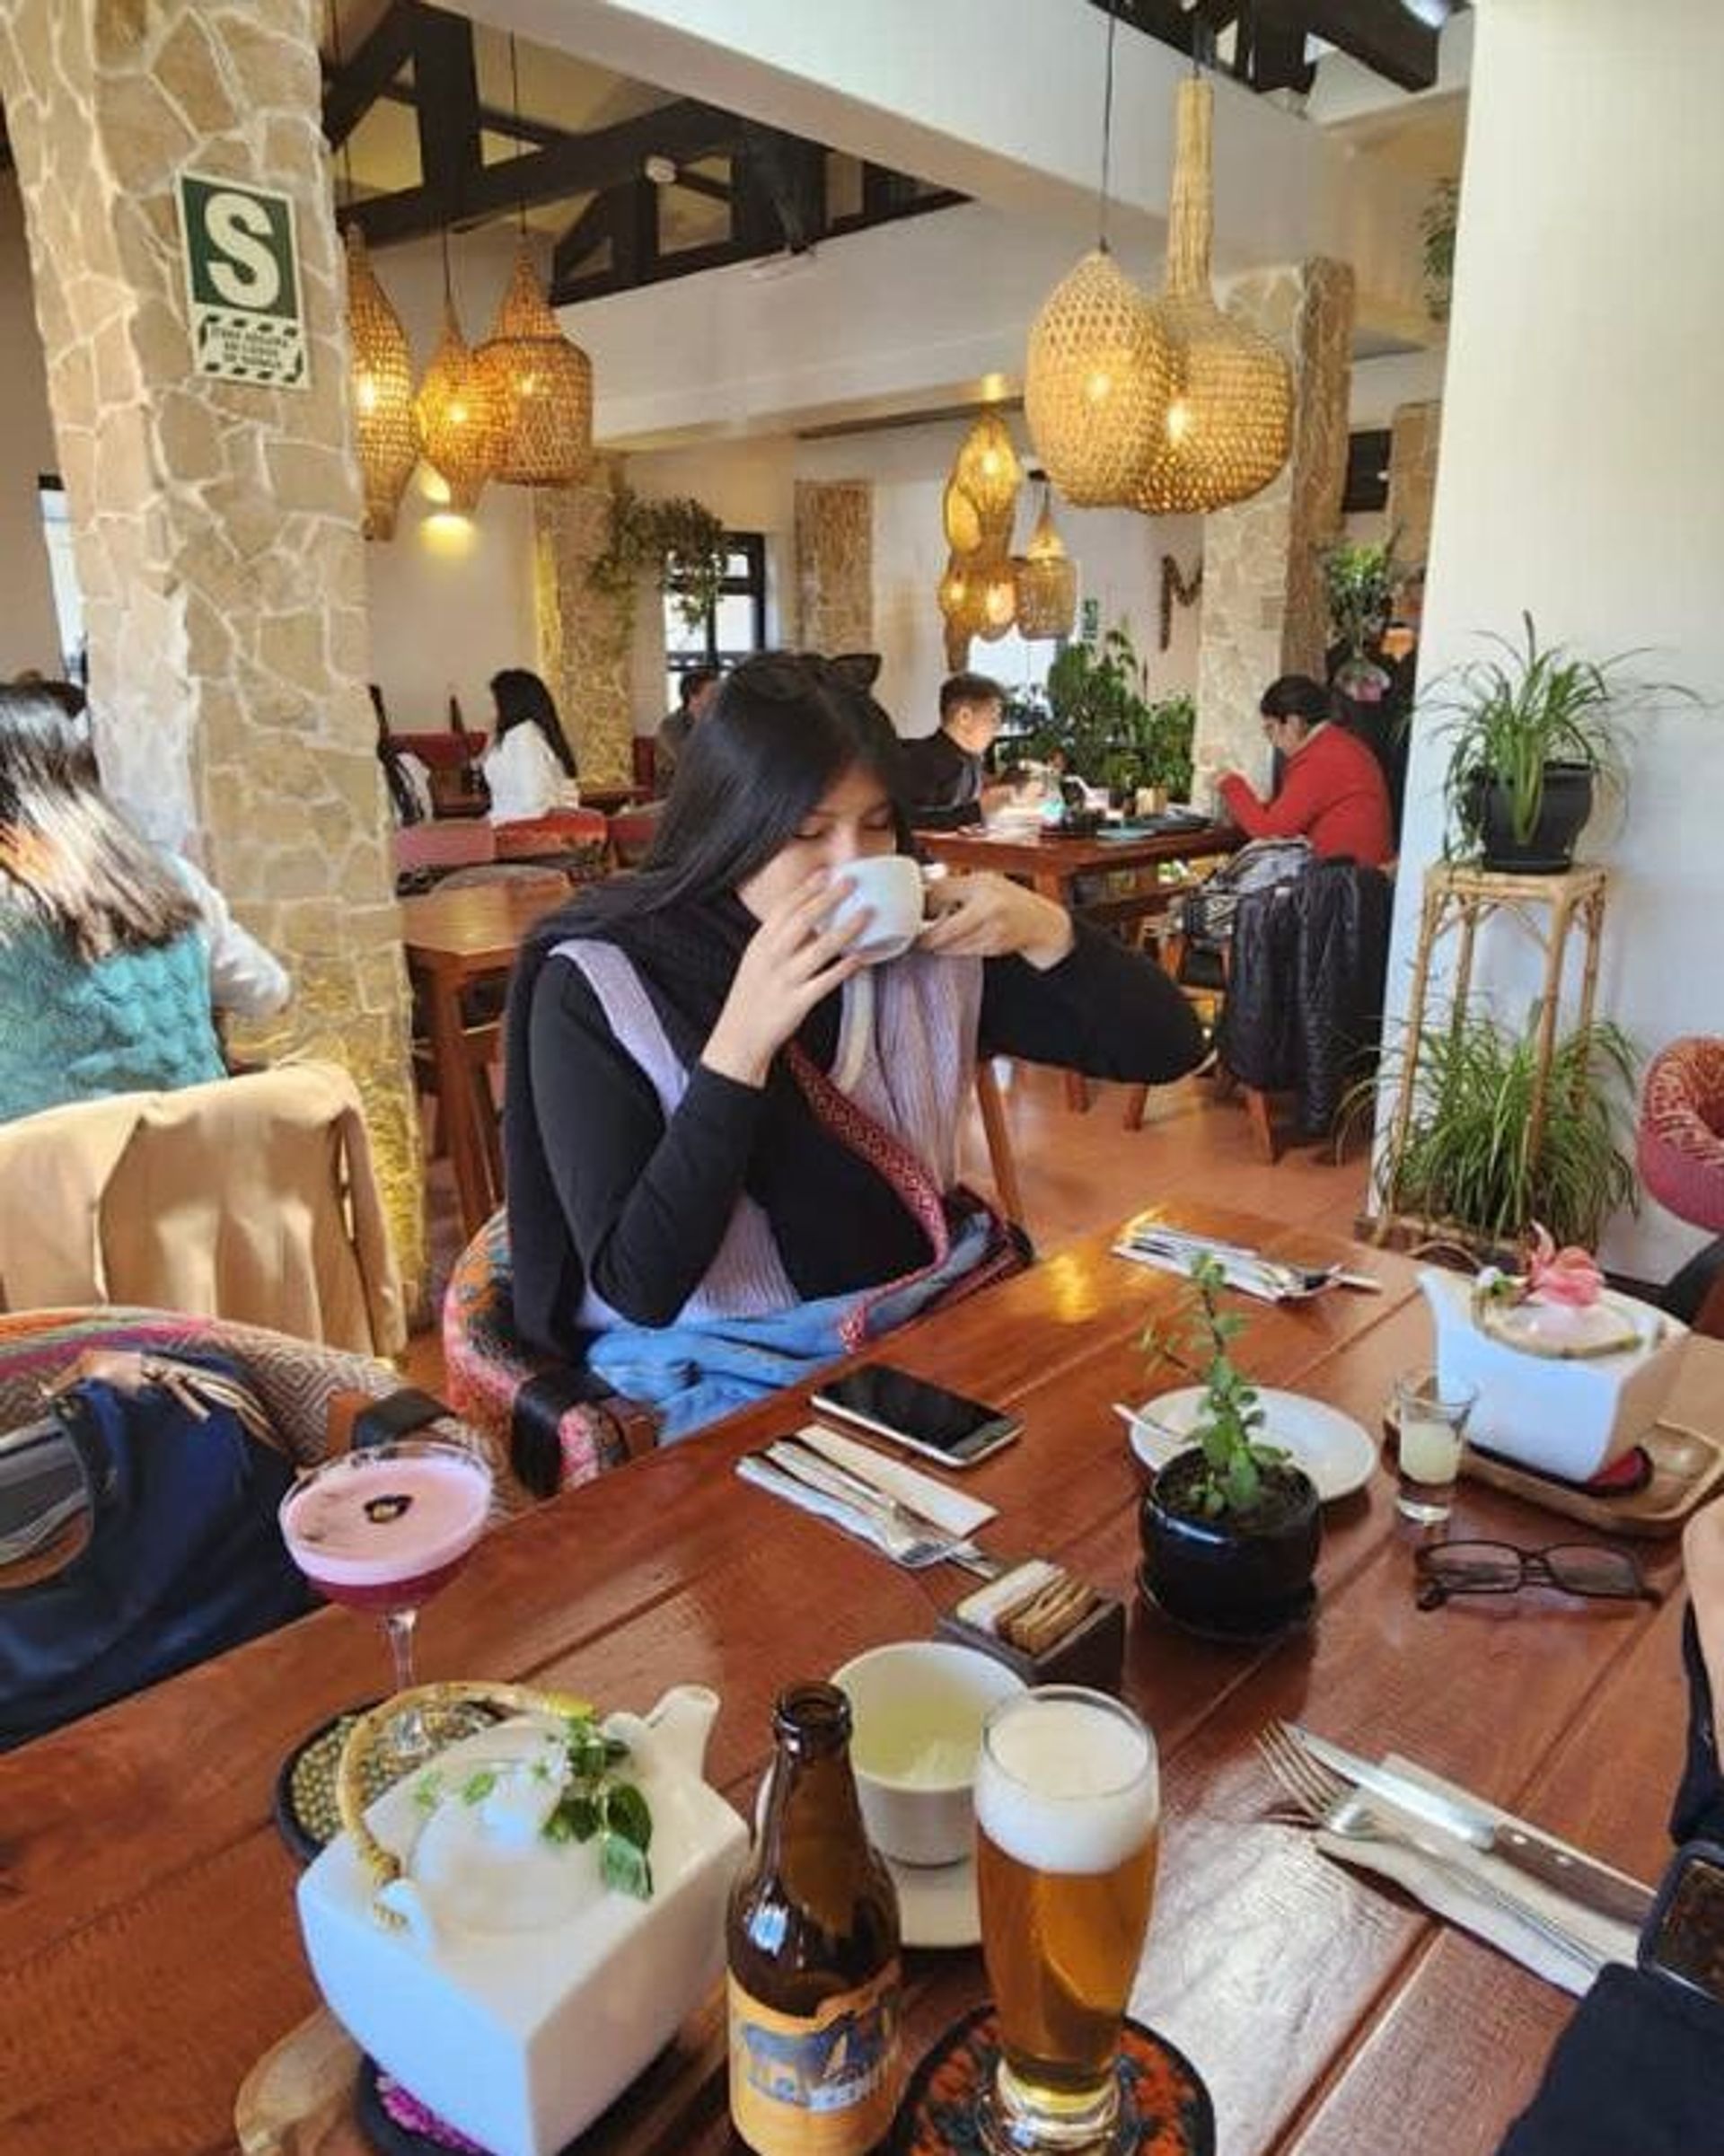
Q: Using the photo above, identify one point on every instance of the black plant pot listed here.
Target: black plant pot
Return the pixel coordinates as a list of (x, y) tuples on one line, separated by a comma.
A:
[(1549, 848), (1230, 1579)]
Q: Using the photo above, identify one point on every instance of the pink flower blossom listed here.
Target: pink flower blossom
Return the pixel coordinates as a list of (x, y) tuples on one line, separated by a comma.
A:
[(1569, 1277)]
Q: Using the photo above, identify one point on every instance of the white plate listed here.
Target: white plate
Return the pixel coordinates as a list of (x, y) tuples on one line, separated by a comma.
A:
[(936, 1902), (1334, 1449)]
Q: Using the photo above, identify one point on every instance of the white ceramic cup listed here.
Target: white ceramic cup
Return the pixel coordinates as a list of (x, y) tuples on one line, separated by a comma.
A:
[(917, 1707), (890, 884)]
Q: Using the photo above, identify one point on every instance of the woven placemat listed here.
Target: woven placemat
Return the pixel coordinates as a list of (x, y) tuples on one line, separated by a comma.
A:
[(1166, 2108)]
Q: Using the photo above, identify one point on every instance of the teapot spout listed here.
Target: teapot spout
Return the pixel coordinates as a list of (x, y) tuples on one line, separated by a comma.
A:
[(681, 1722)]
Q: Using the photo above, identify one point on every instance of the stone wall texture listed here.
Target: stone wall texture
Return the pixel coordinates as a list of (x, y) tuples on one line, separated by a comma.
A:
[(586, 636), (834, 527), (1263, 611), (217, 525), (1414, 434)]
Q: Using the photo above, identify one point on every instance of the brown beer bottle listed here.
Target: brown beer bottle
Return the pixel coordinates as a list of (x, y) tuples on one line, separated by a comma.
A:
[(812, 1943)]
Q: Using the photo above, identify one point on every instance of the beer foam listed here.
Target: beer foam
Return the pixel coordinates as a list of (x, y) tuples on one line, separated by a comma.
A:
[(331, 1536), (1063, 1785)]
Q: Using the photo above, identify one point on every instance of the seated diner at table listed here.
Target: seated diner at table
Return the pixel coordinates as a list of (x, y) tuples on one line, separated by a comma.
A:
[(945, 772), (114, 955), (530, 769), (732, 1147), (1332, 790)]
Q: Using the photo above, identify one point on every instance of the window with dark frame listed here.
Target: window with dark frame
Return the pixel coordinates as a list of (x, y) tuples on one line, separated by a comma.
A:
[(731, 629)]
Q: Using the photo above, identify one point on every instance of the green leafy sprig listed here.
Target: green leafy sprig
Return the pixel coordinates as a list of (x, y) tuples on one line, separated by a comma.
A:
[(595, 1800), (1196, 1341)]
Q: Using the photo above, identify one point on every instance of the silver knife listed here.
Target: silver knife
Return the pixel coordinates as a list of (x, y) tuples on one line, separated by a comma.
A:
[(1591, 1884)]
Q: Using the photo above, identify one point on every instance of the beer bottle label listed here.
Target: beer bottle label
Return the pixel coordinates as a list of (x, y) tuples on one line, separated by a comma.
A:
[(823, 2085)]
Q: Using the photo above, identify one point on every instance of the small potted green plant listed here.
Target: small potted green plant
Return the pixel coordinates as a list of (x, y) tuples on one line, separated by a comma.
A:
[(1230, 1527), (1358, 585), (1532, 734)]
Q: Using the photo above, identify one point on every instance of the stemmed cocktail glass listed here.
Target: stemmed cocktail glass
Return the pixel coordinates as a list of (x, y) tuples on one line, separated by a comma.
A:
[(384, 1528)]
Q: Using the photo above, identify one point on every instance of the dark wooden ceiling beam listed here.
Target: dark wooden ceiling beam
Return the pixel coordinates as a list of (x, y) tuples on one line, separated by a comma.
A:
[(1269, 51), (577, 164), (354, 86), (596, 223), (1381, 34), (445, 84)]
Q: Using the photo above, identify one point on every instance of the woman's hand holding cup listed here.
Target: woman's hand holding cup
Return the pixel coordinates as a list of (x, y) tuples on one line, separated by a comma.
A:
[(792, 959), (989, 916)]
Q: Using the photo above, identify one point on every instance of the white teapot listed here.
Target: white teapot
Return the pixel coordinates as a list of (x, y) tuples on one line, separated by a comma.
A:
[(487, 1966), (1565, 1391)]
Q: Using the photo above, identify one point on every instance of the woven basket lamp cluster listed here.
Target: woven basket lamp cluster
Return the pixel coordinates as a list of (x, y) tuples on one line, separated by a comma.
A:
[(462, 420), (383, 392), (1165, 405), (545, 382), (977, 593), (1046, 579)]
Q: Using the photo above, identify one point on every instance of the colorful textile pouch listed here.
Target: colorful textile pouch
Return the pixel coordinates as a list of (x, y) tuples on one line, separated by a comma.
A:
[(137, 1535)]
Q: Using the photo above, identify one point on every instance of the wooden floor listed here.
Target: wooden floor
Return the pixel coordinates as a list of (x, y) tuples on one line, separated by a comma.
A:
[(1081, 1172)]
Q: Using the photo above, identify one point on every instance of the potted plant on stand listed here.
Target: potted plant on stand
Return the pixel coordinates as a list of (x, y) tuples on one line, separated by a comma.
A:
[(1230, 1527), (1531, 735)]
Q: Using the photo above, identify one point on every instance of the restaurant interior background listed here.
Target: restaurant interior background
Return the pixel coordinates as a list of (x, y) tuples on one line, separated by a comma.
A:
[(1576, 428)]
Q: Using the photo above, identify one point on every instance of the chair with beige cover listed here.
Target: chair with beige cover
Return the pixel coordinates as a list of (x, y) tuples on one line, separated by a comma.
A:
[(251, 1199)]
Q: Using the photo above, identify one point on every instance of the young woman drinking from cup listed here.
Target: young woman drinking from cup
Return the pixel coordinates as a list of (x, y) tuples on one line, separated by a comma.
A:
[(732, 1140)]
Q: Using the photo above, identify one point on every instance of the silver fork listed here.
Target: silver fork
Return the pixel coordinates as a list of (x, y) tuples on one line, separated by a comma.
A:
[(809, 1466), (1325, 1800)]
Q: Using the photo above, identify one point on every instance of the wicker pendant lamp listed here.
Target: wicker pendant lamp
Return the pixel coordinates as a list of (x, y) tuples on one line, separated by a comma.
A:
[(987, 472), (460, 416), (543, 384), (1046, 578), (1229, 421), (960, 519), (961, 593), (1097, 375), (996, 596), (381, 377)]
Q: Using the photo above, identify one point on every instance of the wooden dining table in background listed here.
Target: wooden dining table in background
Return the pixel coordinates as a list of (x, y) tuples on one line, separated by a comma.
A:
[(1053, 866), (454, 939), (147, 1936)]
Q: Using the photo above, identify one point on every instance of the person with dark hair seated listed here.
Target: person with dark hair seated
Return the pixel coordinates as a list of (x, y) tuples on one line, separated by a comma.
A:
[(1640, 2067), (528, 768), (731, 1142), (945, 772), (1331, 789), (695, 690)]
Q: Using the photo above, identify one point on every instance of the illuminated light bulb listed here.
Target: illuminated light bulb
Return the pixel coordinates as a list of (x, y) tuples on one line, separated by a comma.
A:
[(368, 393), (1179, 420)]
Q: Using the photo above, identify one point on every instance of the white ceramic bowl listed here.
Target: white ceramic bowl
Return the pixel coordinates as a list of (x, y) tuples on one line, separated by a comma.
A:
[(917, 1707)]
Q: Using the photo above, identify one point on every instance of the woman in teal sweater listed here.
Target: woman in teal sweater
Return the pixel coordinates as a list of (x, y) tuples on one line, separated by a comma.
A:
[(104, 967)]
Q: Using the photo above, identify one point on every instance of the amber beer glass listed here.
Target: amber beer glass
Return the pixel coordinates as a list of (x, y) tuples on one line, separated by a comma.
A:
[(1067, 1813)]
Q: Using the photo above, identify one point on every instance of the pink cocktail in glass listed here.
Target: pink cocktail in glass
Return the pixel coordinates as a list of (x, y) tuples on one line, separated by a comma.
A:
[(383, 1529)]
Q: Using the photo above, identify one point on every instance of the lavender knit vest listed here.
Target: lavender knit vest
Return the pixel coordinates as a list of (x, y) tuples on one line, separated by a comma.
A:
[(910, 1071)]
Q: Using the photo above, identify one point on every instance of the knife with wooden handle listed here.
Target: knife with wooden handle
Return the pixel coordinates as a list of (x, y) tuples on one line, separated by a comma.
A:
[(1592, 1885)]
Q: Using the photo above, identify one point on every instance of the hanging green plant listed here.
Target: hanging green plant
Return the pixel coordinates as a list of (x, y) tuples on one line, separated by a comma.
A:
[(680, 541)]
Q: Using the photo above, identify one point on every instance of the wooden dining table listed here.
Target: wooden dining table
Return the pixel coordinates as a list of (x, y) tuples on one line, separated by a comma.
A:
[(1055, 866), (454, 939), (147, 1934)]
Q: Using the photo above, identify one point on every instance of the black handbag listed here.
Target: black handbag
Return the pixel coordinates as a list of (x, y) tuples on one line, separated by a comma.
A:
[(137, 1535)]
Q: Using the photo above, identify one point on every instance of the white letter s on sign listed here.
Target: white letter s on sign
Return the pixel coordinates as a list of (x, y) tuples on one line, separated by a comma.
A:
[(248, 277)]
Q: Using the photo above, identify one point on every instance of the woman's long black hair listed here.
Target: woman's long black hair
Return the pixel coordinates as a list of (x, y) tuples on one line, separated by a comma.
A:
[(782, 731), (68, 858), (523, 700)]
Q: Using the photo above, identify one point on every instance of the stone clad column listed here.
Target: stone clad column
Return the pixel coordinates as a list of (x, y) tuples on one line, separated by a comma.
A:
[(1414, 433), (217, 525), (585, 635), (835, 528), (1263, 610)]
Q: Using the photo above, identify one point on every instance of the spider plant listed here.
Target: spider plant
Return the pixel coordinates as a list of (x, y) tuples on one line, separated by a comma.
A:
[(1467, 1158), (1513, 716)]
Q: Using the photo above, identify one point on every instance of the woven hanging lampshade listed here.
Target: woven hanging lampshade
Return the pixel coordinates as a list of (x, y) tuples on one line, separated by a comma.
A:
[(381, 373), (962, 592), (544, 383), (987, 471), (1046, 578), (1096, 383), (459, 416), (997, 595), (1229, 421), (960, 519)]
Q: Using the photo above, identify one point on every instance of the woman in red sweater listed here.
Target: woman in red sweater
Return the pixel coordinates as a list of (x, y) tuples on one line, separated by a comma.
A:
[(1331, 789)]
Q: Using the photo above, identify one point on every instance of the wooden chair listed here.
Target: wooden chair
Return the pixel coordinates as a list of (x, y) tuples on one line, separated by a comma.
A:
[(1257, 1107), (422, 850), (997, 1132), (576, 842), (632, 833)]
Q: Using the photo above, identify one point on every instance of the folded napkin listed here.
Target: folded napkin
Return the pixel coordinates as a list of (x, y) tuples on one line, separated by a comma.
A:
[(924, 1493), (1246, 1274), (1441, 1888), (806, 1499)]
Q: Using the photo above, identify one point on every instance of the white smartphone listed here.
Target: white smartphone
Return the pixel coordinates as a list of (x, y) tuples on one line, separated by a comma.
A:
[(927, 1418)]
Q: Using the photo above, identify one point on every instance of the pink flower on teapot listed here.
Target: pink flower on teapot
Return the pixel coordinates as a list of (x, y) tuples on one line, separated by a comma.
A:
[(1569, 1279)]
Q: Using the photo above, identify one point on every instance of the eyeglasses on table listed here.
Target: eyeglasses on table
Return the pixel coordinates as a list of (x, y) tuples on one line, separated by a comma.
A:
[(1447, 1569)]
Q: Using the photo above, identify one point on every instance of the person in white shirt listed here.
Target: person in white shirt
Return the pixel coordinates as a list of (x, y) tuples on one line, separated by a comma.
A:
[(530, 766), (245, 977)]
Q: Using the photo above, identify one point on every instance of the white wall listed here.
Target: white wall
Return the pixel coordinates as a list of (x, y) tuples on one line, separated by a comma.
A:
[(452, 597), (1583, 440), (28, 632)]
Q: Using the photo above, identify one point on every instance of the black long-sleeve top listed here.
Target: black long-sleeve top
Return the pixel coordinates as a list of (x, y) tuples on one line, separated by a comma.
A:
[(647, 1202)]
